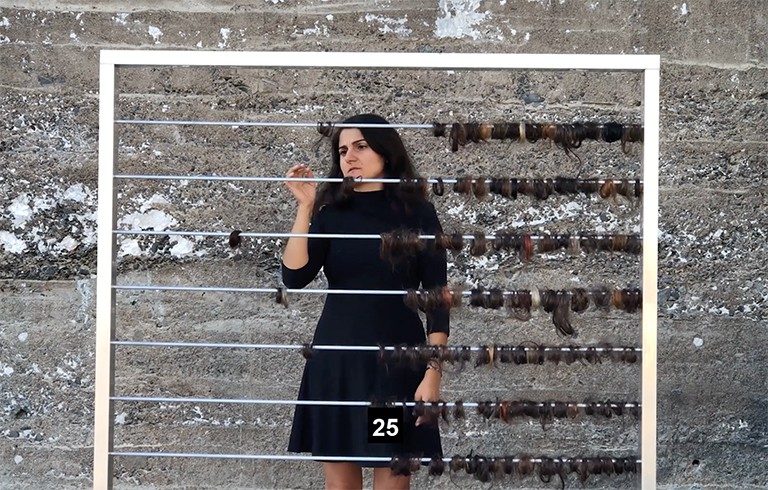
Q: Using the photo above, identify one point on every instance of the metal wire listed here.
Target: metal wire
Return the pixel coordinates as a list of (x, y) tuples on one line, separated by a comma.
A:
[(257, 401), (291, 457), (430, 180), (287, 290), (147, 343), (256, 290), (320, 235), (270, 124)]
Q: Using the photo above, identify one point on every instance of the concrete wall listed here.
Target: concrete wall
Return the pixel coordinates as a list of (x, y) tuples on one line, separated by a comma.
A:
[(713, 422)]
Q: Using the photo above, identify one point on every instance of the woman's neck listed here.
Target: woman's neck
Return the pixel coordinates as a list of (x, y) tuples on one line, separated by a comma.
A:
[(369, 186)]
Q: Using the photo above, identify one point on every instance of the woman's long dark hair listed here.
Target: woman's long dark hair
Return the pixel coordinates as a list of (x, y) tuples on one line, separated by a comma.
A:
[(397, 165)]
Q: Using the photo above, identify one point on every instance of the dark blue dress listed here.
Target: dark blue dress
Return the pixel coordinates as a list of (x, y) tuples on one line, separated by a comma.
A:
[(353, 319)]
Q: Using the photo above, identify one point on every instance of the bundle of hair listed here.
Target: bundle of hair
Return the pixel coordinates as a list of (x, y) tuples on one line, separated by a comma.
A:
[(325, 128), (541, 189), (521, 303), (235, 240), (400, 243), (506, 410), (488, 468), (512, 187), (568, 137), (528, 353), (281, 297)]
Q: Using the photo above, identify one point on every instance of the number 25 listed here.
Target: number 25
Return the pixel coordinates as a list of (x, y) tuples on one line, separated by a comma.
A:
[(392, 428)]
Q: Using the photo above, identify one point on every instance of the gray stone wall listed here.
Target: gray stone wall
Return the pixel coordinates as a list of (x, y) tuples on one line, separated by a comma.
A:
[(713, 402)]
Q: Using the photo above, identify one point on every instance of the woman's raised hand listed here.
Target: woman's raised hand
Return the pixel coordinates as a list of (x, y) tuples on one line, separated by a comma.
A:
[(304, 192)]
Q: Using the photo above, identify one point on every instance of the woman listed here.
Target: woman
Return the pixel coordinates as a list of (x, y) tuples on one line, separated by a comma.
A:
[(364, 319)]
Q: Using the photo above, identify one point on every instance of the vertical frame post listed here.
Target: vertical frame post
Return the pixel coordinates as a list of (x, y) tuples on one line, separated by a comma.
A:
[(650, 272), (105, 278)]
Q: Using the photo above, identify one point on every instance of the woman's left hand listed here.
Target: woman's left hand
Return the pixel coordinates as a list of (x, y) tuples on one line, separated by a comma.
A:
[(428, 391)]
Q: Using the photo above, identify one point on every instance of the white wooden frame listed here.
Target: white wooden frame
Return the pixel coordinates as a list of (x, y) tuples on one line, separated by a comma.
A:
[(105, 296)]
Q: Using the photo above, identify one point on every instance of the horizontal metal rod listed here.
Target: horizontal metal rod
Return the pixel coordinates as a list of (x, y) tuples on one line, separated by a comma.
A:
[(270, 124), (246, 401), (393, 292), (326, 235), (307, 124), (431, 180), (287, 457), (297, 457), (255, 290), (147, 343)]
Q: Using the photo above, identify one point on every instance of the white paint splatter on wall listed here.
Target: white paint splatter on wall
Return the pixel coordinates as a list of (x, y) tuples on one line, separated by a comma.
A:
[(20, 211), (182, 247), (154, 218), (317, 30), (156, 33), (224, 32), (11, 243), (389, 25), (459, 19), (76, 192), (6, 370)]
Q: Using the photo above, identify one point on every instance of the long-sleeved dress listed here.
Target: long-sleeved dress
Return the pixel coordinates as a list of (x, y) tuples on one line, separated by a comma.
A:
[(371, 319)]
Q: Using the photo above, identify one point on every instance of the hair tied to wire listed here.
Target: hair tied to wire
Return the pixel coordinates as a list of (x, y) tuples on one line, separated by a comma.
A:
[(487, 468), (404, 466), (307, 351), (281, 297), (400, 244), (235, 240), (528, 353), (325, 128), (438, 187), (347, 186), (438, 129)]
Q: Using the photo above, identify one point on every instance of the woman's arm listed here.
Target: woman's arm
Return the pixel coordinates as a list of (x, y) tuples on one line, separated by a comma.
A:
[(429, 388), (303, 257), (433, 271), (296, 254)]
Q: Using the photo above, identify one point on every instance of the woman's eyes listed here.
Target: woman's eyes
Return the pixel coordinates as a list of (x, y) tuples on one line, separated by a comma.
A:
[(359, 147)]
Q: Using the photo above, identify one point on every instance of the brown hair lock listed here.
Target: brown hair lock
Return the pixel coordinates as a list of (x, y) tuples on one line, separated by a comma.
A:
[(480, 188), (234, 239), (608, 189), (458, 136), (281, 297), (479, 245), (463, 185), (438, 188)]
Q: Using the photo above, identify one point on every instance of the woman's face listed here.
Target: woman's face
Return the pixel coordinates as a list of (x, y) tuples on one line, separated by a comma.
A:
[(357, 159)]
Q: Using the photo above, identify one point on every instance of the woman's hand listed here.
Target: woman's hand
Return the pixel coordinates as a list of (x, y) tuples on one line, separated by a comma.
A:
[(304, 192), (428, 390)]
